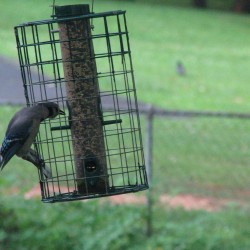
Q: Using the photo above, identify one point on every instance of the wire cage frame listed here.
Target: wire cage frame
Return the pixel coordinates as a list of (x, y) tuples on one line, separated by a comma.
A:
[(96, 149)]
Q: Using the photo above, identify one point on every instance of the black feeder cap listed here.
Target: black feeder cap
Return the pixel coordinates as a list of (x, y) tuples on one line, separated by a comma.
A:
[(71, 10)]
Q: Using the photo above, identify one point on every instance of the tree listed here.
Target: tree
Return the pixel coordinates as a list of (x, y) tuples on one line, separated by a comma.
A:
[(242, 6), (200, 3)]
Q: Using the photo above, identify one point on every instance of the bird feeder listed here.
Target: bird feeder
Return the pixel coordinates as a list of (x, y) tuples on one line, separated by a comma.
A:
[(95, 150)]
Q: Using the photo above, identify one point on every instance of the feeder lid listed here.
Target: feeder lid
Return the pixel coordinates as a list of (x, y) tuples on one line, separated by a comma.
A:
[(71, 10)]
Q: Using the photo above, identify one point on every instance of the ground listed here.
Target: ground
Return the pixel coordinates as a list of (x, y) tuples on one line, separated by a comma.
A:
[(10, 76), (186, 201)]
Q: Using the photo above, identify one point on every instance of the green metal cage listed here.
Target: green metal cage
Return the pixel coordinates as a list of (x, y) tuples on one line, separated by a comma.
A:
[(95, 150)]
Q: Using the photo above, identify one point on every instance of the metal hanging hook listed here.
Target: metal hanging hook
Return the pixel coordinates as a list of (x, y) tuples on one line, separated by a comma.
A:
[(53, 8), (92, 11)]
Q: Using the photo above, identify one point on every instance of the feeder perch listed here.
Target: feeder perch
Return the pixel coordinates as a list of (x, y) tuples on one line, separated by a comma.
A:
[(96, 149)]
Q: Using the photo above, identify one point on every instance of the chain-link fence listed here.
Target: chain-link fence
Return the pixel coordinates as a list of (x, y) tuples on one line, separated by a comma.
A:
[(199, 153)]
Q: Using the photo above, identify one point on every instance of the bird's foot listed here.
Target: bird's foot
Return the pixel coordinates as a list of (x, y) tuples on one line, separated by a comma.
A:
[(45, 169)]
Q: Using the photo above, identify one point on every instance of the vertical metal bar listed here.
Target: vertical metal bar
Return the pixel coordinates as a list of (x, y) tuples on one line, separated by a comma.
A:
[(30, 97), (135, 96), (129, 103), (148, 159), (122, 150), (21, 61)]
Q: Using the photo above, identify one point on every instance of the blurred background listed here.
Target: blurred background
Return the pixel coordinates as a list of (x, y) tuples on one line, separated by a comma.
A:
[(191, 61)]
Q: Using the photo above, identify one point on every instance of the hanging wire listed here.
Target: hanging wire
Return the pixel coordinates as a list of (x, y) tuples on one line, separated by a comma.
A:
[(53, 8), (92, 11), (92, 7)]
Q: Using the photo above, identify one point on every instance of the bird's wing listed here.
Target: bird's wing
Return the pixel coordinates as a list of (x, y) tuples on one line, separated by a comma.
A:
[(21, 124), (9, 148), (16, 135)]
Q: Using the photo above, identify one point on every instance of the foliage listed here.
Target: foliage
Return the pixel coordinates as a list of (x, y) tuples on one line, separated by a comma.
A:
[(29, 224), (77, 225), (212, 4)]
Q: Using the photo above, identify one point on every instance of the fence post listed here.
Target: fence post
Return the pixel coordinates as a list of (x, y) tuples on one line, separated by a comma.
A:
[(148, 159)]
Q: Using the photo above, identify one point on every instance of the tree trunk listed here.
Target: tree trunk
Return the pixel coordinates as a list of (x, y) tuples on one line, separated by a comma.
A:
[(242, 6), (200, 3)]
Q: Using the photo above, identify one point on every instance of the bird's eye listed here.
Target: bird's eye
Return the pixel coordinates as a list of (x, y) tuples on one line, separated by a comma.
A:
[(51, 113)]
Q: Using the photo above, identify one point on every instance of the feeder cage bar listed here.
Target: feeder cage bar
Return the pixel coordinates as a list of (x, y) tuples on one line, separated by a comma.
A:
[(95, 150)]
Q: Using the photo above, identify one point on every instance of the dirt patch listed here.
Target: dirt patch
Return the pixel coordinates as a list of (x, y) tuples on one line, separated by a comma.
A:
[(191, 202), (185, 201)]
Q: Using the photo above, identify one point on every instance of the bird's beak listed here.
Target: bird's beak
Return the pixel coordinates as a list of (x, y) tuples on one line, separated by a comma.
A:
[(61, 112)]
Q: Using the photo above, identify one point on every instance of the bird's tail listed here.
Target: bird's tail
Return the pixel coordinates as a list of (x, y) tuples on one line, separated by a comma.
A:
[(1, 162)]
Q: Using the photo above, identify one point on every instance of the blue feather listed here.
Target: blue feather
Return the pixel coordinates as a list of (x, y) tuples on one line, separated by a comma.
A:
[(10, 146)]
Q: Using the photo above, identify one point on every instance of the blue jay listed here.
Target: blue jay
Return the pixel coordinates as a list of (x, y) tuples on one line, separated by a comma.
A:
[(22, 131)]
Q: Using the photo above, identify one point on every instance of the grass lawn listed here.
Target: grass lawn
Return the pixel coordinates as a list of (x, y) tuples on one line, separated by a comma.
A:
[(207, 156), (213, 45)]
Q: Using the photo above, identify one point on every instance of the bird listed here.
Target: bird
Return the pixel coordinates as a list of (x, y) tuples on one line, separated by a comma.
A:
[(180, 69), (22, 131)]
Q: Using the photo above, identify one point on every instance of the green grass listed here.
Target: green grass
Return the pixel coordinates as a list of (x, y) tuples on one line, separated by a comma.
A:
[(204, 156), (198, 156), (214, 47)]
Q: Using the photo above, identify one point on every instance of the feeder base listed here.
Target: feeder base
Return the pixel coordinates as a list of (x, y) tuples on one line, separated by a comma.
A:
[(74, 196)]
